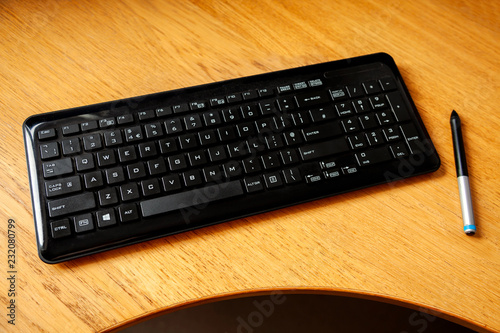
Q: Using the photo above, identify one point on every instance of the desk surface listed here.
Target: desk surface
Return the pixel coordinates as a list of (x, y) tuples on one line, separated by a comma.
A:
[(399, 243)]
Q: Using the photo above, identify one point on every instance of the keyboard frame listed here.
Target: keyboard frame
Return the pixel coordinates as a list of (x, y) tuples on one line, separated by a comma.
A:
[(53, 251)]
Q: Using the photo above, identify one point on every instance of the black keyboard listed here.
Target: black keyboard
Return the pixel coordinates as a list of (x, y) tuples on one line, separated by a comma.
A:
[(116, 173)]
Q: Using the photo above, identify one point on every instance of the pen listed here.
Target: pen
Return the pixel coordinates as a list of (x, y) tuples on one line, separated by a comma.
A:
[(462, 175)]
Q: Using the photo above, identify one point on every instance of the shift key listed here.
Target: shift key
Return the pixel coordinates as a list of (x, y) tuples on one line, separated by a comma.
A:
[(71, 204), (322, 149)]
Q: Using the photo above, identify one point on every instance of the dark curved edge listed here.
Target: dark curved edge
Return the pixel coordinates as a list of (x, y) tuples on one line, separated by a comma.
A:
[(466, 322)]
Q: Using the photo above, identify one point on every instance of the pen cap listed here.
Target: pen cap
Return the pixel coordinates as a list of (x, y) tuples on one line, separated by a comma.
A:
[(458, 145)]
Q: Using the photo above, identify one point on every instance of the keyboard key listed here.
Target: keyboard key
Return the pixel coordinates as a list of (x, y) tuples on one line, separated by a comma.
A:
[(106, 158), (306, 100), (124, 119), (191, 198), (107, 122), (136, 171), (177, 162), (378, 102), (105, 218), (180, 108), (146, 115), (338, 94), (322, 149), (171, 183), (128, 213), (373, 156), (253, 184), (388, 83), (250, 95), (283, 89), (371, 87), (129, 192), (107, 196), (84, 162), (234, 98), (88, 125), (71, 146), (92, 142), (150, 187), (83, 223), (399, 150), (273, 180), (57, 168), (49, 150), (93, 179), (70, 129), (133, 134), (127, 154), (315, 83), (292, 176), (115, 175), (398, 106), (72, 204), (112, 138), (197, 106), (60, 229), (47, 134), (156, 166), (320, 132), (62, 186), (355, 90)]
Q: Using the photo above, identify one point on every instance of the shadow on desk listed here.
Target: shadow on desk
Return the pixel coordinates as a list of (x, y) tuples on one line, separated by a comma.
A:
[(290, 313)]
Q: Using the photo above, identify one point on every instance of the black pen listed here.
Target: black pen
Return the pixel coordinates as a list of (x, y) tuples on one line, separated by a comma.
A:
[(462, 175)]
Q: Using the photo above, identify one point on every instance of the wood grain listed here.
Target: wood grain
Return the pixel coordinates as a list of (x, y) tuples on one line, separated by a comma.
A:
[(400, 243)]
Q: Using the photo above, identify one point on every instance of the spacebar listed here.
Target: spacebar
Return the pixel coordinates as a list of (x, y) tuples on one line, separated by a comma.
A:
[(197, 198)]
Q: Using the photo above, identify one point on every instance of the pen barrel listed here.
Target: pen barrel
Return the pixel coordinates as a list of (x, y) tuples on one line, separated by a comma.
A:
[(465, 201), (458, 144)]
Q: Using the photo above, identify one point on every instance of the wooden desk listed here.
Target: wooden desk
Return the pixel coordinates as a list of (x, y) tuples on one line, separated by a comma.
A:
[(398, 243)]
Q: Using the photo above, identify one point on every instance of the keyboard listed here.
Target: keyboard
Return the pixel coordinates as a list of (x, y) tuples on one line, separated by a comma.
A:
[(121, 172)]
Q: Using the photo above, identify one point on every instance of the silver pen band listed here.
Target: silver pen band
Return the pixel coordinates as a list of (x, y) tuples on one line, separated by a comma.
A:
[(465, 200)]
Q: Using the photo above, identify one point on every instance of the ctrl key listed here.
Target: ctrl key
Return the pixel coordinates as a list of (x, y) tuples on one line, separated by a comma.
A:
[(60, 229)]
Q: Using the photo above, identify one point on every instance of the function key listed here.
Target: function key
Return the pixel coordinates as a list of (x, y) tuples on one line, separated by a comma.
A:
[(265, 92), (161, 112), (145, 115), (88, 125), (47, 134), (180, 108), (315, 83), (70, 129), (388, 83), (286, 88), (372, 87), (197, 106), (234, 98), (125, 119), (217, 101), (249, 95), (300, 85), (107, 122)]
